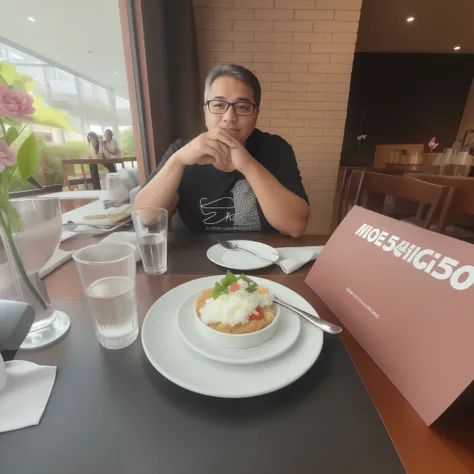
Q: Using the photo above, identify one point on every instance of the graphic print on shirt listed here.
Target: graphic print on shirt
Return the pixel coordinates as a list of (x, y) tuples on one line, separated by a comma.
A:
[(218, 211), (232, 213)]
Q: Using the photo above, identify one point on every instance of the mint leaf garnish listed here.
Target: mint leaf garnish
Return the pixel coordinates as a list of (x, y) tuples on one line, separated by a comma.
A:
[(252, 286), (222, 287)]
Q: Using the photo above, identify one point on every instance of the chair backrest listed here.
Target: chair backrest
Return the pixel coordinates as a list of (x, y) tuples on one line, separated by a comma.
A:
[(375, 187), (456, 170), (350, 184), (463, 198)]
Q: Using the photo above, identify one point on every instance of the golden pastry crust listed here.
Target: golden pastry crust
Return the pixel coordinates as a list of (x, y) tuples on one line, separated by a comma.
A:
[(251, 326)]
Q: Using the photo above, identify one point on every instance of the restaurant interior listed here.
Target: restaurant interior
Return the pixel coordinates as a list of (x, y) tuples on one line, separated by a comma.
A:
[(132, 343)]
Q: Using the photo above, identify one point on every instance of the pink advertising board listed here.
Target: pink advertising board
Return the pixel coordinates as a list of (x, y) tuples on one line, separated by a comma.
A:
[(407, 295)]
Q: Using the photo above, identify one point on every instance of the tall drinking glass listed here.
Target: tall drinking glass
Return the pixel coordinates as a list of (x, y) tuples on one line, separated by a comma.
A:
[(108, 277), (151, 227)]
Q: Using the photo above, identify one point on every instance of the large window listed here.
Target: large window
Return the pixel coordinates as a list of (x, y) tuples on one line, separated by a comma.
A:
[(91, 107)]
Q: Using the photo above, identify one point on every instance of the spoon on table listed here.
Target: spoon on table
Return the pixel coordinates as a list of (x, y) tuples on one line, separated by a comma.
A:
[(325, 326)]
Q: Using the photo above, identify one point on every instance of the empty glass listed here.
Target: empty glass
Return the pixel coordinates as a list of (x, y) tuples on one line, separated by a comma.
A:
[(151, 227), (108, 276)]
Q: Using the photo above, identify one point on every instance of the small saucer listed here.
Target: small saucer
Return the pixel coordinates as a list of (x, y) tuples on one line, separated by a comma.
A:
[(285, 336)]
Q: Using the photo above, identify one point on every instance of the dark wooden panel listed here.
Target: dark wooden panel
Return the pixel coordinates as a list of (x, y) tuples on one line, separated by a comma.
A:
[(406, 98)]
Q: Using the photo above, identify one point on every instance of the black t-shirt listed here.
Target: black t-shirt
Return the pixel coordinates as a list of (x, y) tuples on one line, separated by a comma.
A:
[(215, 201)]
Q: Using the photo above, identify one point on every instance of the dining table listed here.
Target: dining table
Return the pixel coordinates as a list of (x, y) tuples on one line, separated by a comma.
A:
[(112, 412)]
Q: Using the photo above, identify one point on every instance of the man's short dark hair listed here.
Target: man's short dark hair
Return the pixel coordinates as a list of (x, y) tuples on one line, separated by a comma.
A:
[(238, 72)]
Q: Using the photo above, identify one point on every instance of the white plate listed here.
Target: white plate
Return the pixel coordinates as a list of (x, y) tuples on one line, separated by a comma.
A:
[(169, 354), (240, 260), (286, 335)]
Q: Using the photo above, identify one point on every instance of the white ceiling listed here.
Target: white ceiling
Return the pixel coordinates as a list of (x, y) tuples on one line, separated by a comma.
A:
[(439, 25), (84, 36)]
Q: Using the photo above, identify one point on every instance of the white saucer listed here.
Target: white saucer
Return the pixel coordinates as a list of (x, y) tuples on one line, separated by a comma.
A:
[(241, 260), (286, 335), (170, 355)]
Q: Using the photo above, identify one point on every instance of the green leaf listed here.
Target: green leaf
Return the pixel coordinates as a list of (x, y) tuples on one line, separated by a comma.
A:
[(23, 82), (8, 72), (11, 122), (27, 157), (222, 287), (48, 116), (15, 79), (217, 291), (228, 279), (252, 288), (12, 135)]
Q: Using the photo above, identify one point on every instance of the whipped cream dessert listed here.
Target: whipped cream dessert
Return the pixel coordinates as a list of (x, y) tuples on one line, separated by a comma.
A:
[(236, 305)]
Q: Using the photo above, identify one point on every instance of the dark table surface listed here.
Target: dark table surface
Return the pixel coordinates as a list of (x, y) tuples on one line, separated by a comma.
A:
[(111, 412), (447, 447)]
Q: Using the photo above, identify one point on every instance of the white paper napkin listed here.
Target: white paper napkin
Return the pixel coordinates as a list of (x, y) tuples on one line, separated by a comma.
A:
[(25, 395), (59, 257), (67, 234), (293, 258), (125, 209)]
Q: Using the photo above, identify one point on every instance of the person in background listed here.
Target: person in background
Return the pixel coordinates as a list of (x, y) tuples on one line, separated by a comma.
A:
[(109, 147), (95, 144), (233, 177)]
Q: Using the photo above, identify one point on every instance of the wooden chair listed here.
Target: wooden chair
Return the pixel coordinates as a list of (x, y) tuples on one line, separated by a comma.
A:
[(129, 159), (346, 190), (462, 203), (71, 179), (375, 187)]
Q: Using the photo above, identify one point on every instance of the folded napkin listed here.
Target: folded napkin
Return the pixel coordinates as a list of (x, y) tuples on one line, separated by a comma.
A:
[(67, 234), (109, 216), (293, 258), (25, 395), (59, 257)]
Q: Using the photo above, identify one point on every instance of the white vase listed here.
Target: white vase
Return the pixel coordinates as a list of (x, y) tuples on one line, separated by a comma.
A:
[(37, 240)]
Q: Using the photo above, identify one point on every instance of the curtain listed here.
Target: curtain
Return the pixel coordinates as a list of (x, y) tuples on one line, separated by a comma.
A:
[(172, 68)]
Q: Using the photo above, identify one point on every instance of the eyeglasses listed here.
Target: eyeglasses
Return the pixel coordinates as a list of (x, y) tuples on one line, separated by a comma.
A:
[(220, 107)]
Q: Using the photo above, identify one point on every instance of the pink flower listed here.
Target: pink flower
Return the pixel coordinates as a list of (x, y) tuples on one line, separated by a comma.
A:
[(7, 157), (432, 144), (17, 105)]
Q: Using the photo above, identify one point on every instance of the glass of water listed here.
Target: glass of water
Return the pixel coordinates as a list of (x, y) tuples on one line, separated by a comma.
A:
[(108, 275), (151, 227)]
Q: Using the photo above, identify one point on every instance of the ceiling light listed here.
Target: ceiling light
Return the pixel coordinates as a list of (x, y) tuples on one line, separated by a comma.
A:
[(115, 73), (31, 19), (457, 48), (410, 19)]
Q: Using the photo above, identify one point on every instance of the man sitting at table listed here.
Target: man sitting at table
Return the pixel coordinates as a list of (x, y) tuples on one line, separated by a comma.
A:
[(232, 177)]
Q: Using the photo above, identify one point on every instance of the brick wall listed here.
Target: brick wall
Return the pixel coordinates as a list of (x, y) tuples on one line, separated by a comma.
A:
[(302, 52)]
